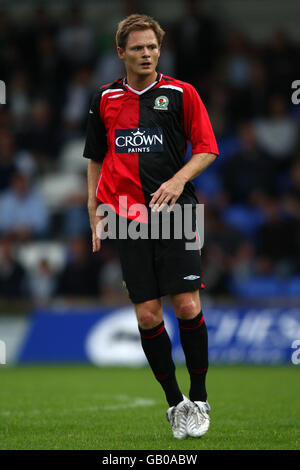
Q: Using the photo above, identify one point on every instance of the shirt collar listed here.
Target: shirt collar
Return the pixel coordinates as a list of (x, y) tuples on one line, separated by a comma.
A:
[(140, 92)]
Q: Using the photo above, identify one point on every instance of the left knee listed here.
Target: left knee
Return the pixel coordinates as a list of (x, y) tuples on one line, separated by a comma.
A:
[(187, 309)]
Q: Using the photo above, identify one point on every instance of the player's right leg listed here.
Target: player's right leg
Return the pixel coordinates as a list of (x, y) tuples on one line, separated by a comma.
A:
[(158, 350)]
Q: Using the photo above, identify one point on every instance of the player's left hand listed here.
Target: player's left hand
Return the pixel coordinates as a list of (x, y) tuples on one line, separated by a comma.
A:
[(167, 193)]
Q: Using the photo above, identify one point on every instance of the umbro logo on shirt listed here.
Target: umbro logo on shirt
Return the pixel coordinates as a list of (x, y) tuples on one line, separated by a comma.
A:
[(139, 140), (191, 277)]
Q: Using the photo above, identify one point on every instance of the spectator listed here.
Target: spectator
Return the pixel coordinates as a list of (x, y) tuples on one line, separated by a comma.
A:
[(40, 24), (4, 34), (76, 40), (277, 237), (112, 289), (277, 134), (279, 57), (77, 100), (76, 219), (23, 213), (12, 275), (293, 194), (81, 275), (41, 282), (40, 129), (249, 170), (220, 109), (242, 263), (238, 60), (49, 70), (219, 233), (256, 95), (220, 243), (19, 99), (7, 159), (215, 272), (196, 45), (107, 67)]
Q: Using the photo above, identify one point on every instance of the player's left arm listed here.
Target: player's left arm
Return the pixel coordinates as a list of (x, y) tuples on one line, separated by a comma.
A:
[(197, 128), (170, 190)]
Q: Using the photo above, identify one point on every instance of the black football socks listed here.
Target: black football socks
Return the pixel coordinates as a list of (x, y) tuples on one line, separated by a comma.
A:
[(158, 350), (193, 336)]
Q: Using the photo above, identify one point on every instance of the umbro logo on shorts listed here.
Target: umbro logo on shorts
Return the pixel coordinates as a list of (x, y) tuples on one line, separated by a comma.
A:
[(191, 277)]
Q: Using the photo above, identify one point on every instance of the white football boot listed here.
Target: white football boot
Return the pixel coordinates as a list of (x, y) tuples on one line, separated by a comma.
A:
[(177, 417), (198, 419)]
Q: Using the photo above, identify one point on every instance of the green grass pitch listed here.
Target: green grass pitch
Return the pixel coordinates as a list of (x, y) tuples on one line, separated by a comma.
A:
[(85, 407)]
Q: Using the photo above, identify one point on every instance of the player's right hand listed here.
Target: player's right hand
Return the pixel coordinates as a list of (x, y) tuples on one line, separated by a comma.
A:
[(96, 242), (96, 223)]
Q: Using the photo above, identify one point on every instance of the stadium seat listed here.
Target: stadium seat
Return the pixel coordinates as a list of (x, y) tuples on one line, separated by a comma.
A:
[(248, 220), (56, 188), (266, 286), (31, 254), (71, 158)]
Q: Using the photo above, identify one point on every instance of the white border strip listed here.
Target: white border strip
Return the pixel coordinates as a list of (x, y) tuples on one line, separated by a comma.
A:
[(112, 90), (116, 96), (173, 87)]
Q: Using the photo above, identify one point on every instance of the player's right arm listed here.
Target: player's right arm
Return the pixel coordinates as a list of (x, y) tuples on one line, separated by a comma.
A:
[(93, 172), (95, 150)]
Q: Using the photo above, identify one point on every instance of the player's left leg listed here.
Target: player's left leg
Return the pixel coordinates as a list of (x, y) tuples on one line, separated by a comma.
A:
[(193, 336)]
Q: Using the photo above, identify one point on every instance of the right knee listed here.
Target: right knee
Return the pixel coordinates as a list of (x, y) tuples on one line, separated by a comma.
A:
[(149, 316)]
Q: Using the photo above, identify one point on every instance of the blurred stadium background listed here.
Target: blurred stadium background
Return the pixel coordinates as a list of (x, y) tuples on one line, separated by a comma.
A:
[(60, 302)]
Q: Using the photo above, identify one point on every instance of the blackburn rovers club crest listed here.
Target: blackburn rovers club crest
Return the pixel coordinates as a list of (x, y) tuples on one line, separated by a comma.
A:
[(161, 102)]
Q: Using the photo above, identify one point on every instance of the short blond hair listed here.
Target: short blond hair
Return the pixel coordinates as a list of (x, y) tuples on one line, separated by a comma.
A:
[(137, 22)]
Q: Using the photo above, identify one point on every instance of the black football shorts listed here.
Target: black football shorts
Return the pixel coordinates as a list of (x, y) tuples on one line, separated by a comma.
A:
[(153, 267)]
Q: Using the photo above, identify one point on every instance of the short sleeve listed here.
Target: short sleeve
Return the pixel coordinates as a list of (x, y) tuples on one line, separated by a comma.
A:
[(196, 123), (96, 141)]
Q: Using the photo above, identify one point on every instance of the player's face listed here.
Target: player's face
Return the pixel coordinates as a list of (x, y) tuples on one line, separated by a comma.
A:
[(141, 53)]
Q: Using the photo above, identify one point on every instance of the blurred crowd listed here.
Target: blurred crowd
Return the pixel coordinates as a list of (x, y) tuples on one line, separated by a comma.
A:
[(251, 193)]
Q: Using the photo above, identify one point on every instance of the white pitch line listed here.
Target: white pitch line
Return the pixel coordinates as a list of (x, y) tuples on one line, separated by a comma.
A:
[(135, 402)]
